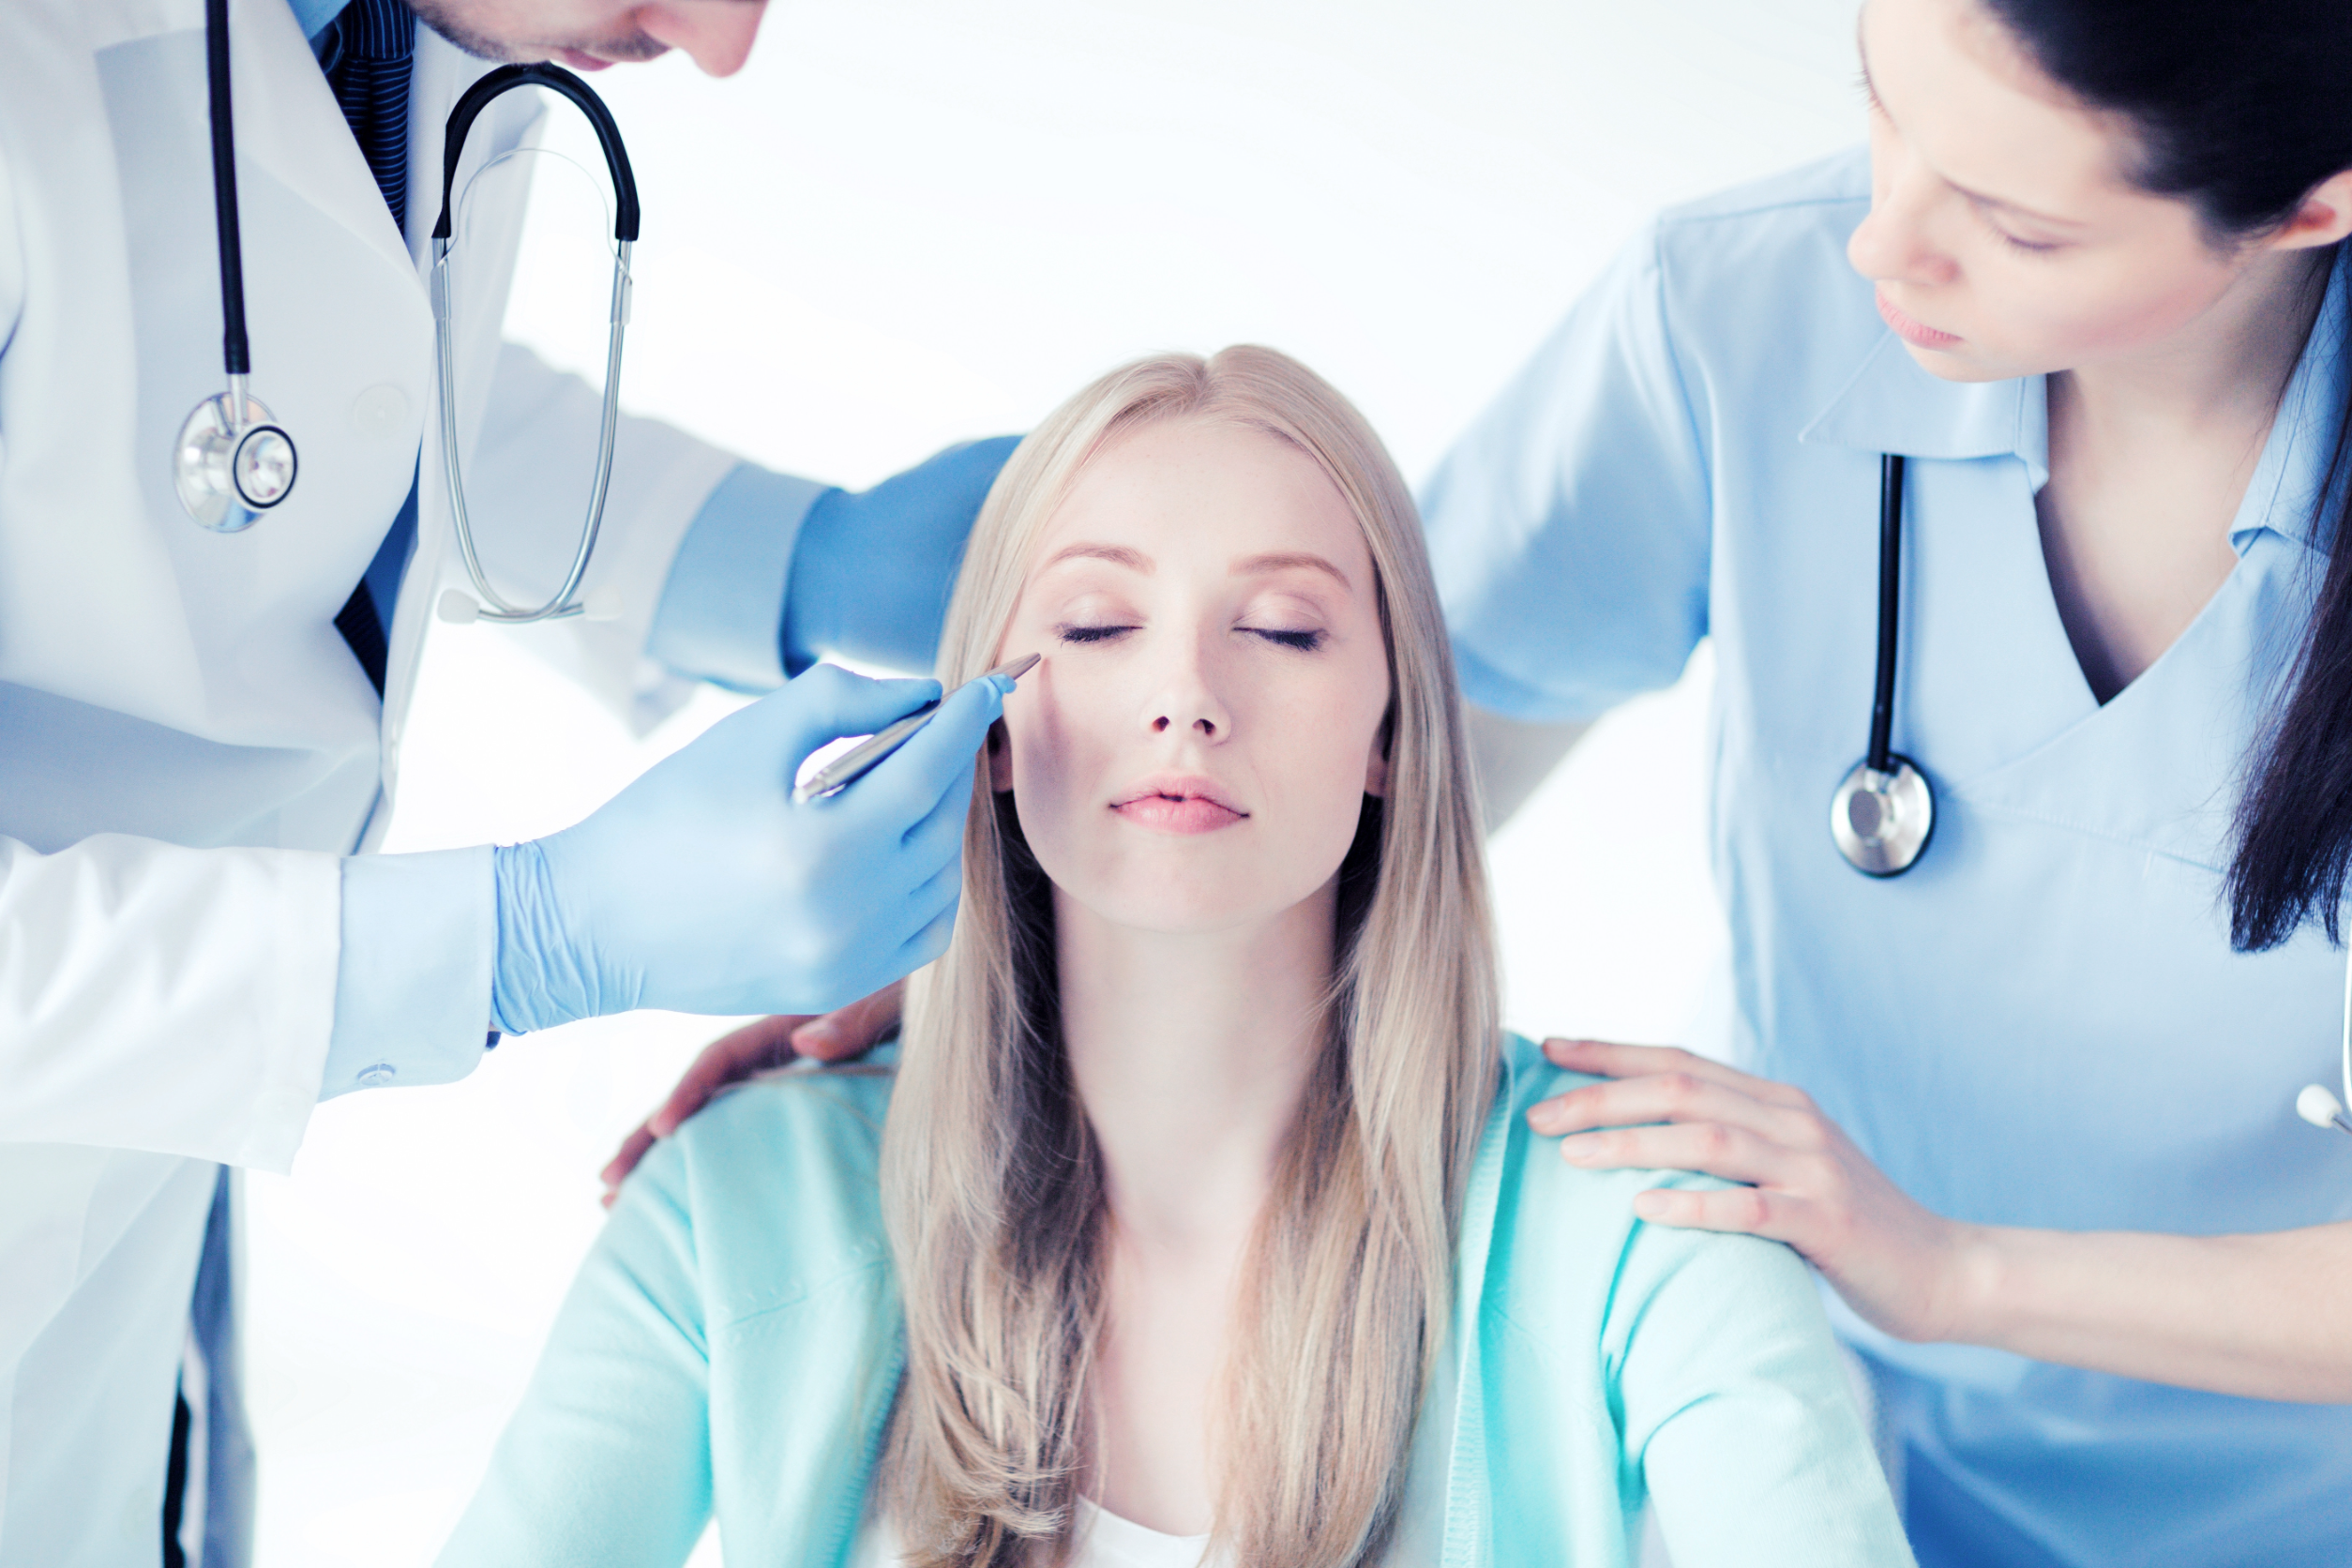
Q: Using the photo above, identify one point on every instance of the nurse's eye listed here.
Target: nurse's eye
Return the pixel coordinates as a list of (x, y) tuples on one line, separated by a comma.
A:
[(1304, 642), (1090, 633), (2024, 247)]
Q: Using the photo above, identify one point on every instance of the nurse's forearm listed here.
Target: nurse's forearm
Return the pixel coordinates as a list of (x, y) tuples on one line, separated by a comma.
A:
[(2261, 1316), (1513, 758)]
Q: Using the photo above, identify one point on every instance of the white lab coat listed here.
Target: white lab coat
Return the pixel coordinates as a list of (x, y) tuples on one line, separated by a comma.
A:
[(167, 1004)]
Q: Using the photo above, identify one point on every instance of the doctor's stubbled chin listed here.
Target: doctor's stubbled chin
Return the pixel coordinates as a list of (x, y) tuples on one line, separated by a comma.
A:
[(592, 35)]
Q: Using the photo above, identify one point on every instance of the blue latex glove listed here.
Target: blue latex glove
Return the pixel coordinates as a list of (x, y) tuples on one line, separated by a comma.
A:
[(704, 888), (872, 570)]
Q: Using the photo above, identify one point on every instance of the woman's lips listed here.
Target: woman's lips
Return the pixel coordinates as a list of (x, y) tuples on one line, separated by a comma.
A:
[(1179, 806), (1914, 333)]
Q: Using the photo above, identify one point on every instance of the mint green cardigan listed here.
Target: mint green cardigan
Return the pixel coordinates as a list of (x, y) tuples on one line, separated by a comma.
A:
[(733, 1344)]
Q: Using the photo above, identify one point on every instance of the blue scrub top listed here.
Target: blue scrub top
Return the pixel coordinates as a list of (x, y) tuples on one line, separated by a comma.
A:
[(2041, 1024)]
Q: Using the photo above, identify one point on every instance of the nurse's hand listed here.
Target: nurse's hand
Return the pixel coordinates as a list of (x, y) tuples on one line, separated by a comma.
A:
[(703, 887), (757, 1048), (1896, 1263)]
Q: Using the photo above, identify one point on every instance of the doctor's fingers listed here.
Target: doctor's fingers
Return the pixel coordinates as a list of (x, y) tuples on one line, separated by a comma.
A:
[(1680, 1096), (820, 705), (929, 942), (938, 760), (938, 840)]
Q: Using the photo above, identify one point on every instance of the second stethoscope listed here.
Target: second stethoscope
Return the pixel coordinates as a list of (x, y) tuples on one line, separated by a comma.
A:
[(1884, 811), (232, 462)]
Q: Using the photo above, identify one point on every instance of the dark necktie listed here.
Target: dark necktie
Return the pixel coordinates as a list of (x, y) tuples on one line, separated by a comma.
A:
[(366, 52)]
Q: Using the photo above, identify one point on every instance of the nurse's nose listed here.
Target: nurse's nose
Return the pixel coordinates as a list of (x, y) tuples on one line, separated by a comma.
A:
[(716, 34), (1184, 699), (1895, 245)]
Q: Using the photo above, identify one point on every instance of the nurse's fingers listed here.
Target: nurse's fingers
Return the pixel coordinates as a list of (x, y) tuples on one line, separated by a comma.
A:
[(1733, 1153), (1606, 1059), (1679, 1096), (1744, 1211)]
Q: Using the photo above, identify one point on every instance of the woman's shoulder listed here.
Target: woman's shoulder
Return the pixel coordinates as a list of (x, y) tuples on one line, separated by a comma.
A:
[(773, 1187), (1566, 1239)]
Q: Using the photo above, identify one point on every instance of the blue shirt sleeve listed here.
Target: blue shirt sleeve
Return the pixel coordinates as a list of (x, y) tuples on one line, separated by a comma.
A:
[(1570, 527), (411, 989), (722, 607)]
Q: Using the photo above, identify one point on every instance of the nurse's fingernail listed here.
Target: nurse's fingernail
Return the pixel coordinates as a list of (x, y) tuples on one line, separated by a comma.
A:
[(1005, 685), (1576, 1150)]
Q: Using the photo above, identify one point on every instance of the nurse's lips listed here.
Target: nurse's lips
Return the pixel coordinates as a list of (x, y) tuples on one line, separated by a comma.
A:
[(1177, 803), (1917, 334)]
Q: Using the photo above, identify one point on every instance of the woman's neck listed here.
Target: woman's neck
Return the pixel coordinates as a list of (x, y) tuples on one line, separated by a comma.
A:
[(1190, 1053)]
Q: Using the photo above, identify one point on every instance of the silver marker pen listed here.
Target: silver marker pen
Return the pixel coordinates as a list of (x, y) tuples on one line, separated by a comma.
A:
[(854, 763)]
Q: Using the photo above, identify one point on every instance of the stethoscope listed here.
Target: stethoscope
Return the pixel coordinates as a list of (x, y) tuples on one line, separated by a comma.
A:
[(234, 462), (1884, 811)]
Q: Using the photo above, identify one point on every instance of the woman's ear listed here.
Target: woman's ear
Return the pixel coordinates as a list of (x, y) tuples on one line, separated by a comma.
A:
[(1376, 767), (1000, 758)]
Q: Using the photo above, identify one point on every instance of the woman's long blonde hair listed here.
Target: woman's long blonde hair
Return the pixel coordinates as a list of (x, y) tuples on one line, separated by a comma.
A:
[(992, 1186)]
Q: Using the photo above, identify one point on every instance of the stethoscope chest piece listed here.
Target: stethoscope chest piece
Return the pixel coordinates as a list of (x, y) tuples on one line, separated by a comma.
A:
[(1881, 818), (229, 470)]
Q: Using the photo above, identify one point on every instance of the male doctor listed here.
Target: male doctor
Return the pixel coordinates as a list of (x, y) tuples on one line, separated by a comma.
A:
[(201, 732)]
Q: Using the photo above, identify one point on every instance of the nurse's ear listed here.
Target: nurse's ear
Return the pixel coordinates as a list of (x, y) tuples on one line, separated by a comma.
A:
[(2324, 216), (1000, 758)]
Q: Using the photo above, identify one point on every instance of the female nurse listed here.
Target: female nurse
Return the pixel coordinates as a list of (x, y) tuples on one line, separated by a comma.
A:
[(2028, 1106)]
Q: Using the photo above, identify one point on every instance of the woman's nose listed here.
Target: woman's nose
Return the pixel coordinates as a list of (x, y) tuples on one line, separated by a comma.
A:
[(1185, 700)]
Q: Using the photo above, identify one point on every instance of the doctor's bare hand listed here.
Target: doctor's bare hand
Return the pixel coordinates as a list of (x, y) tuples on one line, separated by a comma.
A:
[(1898, 1265), (757, 1048)]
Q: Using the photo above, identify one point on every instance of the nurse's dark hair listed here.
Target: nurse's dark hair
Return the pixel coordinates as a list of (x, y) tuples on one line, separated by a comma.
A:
[(2240, 109)]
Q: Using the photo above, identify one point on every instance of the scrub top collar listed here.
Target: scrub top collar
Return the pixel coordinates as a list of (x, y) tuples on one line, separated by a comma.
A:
[(1889, 405)]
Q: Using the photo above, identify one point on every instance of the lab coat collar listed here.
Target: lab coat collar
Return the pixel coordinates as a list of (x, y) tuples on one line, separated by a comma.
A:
[(289, 123), (1889, 405)]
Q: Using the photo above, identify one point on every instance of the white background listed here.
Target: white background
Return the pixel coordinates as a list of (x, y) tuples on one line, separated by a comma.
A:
[(909, 223)]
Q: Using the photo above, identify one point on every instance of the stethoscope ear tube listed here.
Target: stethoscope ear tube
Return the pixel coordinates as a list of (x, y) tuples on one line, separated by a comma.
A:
[(491, 606), (556, 79)]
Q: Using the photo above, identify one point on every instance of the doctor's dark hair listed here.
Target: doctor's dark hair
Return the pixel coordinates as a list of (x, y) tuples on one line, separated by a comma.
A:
[(2240, 109)]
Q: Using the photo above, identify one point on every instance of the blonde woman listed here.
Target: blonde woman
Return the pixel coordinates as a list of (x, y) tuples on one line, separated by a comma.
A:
[(1197, 1218)]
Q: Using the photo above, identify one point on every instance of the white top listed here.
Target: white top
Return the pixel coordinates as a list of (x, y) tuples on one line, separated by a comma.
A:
[(1105, 1540)]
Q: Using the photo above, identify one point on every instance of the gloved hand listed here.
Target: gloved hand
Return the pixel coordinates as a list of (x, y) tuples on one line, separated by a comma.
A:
[(704, 888), (872, 570)]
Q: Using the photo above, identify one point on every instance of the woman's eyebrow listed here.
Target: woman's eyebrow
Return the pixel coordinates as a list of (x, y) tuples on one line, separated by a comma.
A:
[(1283, 560), (1118, 555)]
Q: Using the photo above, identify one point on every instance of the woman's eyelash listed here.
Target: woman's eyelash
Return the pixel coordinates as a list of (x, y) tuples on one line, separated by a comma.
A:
[(1089, 634), (1304, 642)]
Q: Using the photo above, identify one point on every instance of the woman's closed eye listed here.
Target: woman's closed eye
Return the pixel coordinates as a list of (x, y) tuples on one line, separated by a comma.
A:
[(1305, 640), (1071, 632)]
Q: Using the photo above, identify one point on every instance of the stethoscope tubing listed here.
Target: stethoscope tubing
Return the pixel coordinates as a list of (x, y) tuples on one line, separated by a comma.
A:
[(237, 355), (1890, 602)]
